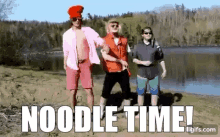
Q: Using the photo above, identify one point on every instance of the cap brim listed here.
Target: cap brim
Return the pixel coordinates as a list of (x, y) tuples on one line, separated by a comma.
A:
[(113, 21)]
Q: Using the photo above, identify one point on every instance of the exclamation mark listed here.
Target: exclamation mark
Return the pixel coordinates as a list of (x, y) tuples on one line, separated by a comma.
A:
[(189, 118)]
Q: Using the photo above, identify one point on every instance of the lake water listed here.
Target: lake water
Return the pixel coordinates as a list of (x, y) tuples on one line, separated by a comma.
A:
[(189, 69)]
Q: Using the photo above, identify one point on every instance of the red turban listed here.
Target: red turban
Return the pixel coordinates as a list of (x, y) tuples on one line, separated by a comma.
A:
[(75, 11)]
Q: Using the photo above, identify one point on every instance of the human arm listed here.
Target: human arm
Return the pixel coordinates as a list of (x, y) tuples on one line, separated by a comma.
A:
[(65, 62), (108, 57), (105, 47), (145, 63), (137, 60), (99, 42), (162, 64), (159, 57)]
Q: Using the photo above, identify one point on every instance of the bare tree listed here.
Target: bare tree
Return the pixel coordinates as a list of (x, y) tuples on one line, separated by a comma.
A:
[(6, 7)]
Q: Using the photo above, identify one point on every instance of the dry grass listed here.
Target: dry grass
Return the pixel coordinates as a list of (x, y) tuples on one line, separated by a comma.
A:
[(26, 87)]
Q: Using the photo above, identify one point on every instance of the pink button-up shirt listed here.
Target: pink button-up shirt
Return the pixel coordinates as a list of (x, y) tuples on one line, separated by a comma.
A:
[(69, 46)]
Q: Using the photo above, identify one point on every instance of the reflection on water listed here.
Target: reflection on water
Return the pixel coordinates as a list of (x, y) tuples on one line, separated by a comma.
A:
[(195, 70), (196, 73)]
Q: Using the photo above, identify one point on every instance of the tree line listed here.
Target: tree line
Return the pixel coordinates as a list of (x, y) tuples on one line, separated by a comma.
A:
[(172, 26)]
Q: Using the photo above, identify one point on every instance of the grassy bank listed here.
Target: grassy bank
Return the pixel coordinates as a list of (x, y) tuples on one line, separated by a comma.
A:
[(26, 87)]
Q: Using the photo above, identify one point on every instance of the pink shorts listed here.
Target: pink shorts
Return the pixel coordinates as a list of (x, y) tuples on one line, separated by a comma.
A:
[(84, 73)]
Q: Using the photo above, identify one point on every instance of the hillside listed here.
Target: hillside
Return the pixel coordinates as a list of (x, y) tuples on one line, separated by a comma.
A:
[(172, 26)]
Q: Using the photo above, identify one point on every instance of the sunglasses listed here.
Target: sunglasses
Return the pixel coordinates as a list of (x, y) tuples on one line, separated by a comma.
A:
[(148, 33), (114, 26), (75, 19)]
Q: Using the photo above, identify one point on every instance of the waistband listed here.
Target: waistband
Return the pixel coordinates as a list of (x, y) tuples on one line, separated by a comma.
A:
[(117, 72), (83, 61)]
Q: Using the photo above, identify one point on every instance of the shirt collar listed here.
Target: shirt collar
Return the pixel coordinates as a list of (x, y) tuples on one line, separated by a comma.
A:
[(82, 28), (146, 42), (110, 35)]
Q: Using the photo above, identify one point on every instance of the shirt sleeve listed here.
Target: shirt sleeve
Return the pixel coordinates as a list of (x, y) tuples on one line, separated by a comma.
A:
[(65, 46), (159, 54), (97, 39)]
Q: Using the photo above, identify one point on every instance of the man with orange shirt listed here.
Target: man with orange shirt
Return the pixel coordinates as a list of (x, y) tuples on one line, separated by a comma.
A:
[(115, 64), (79, 54)]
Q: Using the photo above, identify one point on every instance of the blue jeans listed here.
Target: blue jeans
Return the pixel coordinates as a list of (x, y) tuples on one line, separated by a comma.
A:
[(154, 85)]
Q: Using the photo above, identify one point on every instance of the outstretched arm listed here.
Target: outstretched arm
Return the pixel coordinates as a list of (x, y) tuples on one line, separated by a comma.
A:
[(99, 42)]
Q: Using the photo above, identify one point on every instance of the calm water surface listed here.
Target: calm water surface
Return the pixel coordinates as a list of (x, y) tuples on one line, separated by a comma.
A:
[(193, 69)]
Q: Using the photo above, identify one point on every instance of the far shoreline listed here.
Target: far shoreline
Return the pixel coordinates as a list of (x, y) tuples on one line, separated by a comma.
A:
[(59, 51), (101, 77)]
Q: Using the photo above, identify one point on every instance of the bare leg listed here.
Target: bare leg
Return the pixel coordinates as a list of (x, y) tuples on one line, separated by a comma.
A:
[(140, 102), (122, 105), (90, 98), (127, 102), (73, 94), (154, 100), (102, 106)]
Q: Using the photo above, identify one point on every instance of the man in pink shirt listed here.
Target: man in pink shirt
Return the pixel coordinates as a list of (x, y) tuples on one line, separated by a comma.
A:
[(79, 47)]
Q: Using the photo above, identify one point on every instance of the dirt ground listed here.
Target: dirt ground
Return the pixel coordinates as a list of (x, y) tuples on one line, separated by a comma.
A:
[(27, 87)]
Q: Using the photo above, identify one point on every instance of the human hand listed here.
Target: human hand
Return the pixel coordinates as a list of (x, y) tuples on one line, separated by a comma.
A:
[(105, 48), (124, 64), (137, 61), (164, 74), (146, 63), (123, 67), (64, 66)]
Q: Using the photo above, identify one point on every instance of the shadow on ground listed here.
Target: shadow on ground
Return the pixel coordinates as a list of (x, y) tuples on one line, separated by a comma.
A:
[(165, 99)]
